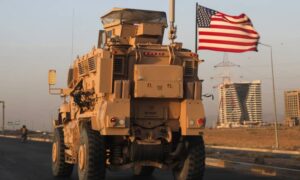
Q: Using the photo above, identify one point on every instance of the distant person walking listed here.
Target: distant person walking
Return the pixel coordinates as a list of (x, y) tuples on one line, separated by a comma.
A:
[(24, 132)]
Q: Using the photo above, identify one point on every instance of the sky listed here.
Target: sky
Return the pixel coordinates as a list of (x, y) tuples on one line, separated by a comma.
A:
[(36, 35)]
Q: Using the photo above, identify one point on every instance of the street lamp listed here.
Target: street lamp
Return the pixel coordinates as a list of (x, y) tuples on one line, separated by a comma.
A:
[(3, 115), (274, 95)]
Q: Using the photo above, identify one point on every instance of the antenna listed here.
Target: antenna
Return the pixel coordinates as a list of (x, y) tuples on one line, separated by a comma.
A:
[(173, 28), (72, 50)]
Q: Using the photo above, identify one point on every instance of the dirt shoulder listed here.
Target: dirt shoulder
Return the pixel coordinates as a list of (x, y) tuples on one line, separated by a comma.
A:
[(289, 138)]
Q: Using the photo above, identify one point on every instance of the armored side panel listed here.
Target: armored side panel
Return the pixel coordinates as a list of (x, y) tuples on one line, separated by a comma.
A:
[(158, 81), (105, 72)]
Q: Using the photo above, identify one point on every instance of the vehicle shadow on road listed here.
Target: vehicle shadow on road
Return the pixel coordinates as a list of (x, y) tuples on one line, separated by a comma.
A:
[(132, 178), (125, 175), (128, 175)]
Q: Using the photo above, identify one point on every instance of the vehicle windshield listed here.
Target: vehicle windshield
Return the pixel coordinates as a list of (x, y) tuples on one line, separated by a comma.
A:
[(134, 16)]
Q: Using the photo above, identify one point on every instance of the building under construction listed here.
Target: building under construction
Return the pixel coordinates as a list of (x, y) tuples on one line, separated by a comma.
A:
[(292, 107), (240, 104)]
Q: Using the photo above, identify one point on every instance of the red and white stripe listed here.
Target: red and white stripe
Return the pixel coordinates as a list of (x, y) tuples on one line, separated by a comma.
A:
[(228, 34)]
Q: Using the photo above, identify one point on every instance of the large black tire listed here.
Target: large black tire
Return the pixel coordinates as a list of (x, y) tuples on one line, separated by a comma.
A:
[(91, 156), (143, 170), (192, 167), (59, 167)]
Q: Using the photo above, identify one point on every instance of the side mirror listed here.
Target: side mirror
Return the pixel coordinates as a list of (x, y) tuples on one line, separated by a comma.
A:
[(52, 77), (101, 39), (52, 82)]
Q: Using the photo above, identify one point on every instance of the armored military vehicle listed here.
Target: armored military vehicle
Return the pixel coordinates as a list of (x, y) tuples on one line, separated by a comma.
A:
[(131, 103)]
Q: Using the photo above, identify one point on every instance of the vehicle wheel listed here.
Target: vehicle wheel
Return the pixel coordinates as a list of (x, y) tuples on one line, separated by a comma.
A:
[(143, 170), (192, 167), (91, 155), (59, 167)]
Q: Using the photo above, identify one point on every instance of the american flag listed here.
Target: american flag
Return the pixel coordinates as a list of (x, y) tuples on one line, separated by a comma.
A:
[(220, 32)]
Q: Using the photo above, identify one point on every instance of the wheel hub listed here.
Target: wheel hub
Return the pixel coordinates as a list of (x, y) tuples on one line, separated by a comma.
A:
[(81, 157), (54, 152)]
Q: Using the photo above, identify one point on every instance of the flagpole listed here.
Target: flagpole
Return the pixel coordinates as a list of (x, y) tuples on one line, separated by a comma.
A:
[(274, 95), (196, 30)]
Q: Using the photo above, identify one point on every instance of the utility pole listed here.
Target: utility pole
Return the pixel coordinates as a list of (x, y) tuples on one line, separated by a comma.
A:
[(3, 116), (274, 96)]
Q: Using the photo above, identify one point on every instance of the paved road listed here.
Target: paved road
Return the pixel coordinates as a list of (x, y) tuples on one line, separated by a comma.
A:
[(31, 161)]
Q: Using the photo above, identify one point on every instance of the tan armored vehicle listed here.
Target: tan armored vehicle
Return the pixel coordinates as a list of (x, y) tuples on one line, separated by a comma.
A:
[(131, 103)]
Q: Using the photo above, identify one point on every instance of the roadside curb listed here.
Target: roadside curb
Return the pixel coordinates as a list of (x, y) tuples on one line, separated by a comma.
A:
[(29, 138), (254, 168), (273, 151)]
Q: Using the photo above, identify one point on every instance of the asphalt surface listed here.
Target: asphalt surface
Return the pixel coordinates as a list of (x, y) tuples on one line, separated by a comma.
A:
[(32, 161)]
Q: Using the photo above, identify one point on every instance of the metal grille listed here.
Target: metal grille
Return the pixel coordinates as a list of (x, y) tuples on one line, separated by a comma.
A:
[(70, 76), (188, 68), (81, 68), (92, 64)]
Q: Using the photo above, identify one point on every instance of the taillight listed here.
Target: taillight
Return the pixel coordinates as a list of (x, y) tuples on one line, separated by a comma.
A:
[(201, 121), (122, 122), (192, 123), (114, 120)]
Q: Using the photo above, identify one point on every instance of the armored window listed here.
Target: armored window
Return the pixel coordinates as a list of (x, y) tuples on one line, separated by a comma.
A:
[(188, 68), (110, 33), (119, 65)]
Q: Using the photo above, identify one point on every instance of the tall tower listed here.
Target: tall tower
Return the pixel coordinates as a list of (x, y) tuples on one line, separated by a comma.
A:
[(292, 107), (240, 103), (225, 66)]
